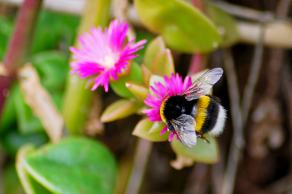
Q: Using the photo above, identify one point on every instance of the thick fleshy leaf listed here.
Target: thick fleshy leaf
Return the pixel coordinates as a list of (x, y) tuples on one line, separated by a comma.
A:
[(144, 129), (225, 23), (120, 109), (146, 74), (154, 79), (202, 152), (158, 58), (182, 26), (139, 91), (30, 185), (119, 86), (74, 165), (156, 127)]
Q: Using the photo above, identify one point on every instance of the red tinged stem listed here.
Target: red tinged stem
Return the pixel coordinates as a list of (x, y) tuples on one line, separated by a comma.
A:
[(198, 4), (19, 45), (196, 63)]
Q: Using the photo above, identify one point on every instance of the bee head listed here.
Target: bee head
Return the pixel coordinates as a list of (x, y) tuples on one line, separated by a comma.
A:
[(172, 108)]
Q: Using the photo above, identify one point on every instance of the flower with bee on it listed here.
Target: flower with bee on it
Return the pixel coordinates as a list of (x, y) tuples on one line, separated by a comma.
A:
[(172, 86), (103, 54), (187, 109)]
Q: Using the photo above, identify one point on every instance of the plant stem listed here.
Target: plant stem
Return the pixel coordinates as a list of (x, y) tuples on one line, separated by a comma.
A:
[(19, 45), (141, 159), (237, 142), (78, 98)]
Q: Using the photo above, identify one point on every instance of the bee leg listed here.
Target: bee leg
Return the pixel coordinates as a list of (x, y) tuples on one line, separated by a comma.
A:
[(203, 138)]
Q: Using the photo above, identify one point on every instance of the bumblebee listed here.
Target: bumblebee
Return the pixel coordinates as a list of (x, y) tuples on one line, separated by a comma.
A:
[(195, 113)]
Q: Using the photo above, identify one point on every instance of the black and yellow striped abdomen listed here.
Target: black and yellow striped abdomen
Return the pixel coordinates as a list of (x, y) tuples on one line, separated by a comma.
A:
[(206, 114), (209, 115)]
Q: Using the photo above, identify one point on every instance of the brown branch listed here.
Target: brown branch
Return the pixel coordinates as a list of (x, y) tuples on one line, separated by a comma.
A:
[(142, 155), (196, 183), (245, 12), (19, 45), (287, 82), (277, 55), (237, 142), (253, 76), (240, 116)]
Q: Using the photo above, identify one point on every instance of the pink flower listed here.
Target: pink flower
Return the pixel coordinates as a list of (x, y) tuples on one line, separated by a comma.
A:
[(172, 86), (103, 55)]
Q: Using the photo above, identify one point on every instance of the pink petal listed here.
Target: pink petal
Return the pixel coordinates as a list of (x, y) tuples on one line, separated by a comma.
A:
[(87, 69), (163, 131), (170, 137)]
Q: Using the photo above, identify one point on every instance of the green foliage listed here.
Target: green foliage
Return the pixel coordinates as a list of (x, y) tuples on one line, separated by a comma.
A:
[(158, 58), (120, 109), (11, 181), (26, 121), (225, 23), (75, 165), (202, 152), (139, 91), (8, 116), (77, 98), (30, 185), (54, 31), (12, 141), (151, 131), (119, 86), (52, 67), (5, 33), (142, 35), (183, 27)]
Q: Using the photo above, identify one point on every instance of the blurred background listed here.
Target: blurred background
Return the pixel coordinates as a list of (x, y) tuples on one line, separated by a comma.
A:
[(255, 150)]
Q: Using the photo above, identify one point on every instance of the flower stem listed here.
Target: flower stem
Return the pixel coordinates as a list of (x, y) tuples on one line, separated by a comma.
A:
[(19, 45), (78, 98), (141, 158)]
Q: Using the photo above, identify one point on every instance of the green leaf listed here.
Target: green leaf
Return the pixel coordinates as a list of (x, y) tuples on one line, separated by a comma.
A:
[(148, 130), (119, 86), (202, 152), (29, 184), (26, 121), (225, 23), (11, 182), (52, 67), (14, 140), (139, 91), (54, 30), (182, 26), (8, 117), (142, 34), (120, 109), (73, 166), (158, 58), (6, 28)]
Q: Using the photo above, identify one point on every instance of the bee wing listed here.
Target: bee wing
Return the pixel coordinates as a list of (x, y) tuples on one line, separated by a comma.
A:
[(184, 128), (203, 84)]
